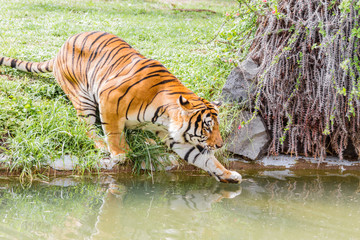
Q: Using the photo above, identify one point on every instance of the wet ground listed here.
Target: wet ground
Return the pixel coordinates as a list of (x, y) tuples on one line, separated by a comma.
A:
[(182, 206)]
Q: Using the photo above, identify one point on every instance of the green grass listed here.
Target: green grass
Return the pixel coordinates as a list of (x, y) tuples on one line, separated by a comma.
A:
[(37, 122), (142, 150)]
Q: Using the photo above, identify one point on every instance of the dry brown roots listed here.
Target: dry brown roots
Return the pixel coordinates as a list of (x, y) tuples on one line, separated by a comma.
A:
[(309, 83)]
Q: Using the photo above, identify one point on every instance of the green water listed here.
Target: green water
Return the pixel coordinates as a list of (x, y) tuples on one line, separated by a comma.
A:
[(178, 206)]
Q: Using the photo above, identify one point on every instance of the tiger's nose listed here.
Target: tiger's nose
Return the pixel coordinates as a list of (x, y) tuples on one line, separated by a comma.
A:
[(219, 145)]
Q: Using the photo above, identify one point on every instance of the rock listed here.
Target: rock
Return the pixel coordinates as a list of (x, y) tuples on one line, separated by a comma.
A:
[(240, 85), (66, 162), (4, 161), (108, 163), (250, 141)]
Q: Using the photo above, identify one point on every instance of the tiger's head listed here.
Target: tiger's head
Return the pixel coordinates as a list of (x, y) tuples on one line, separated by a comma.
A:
[(197, 123)]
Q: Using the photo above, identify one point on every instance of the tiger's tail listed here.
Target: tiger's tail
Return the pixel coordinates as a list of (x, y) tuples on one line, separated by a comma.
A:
[(35, 67)]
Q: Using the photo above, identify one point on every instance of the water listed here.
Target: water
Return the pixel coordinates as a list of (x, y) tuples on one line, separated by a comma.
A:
[(178, 206)]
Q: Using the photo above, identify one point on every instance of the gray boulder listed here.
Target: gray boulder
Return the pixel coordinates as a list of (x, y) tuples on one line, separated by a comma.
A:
[(240, 84), (250, 141), (64, 163)]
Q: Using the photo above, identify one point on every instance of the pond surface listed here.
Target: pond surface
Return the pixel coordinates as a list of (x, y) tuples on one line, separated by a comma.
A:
[(178, 206)]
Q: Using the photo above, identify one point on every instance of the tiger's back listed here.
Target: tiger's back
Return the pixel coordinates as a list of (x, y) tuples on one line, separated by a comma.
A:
[(96, 67)]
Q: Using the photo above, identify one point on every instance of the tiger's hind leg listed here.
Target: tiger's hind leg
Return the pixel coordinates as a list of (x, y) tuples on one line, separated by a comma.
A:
[(84, 106), (92, 134), (113, 125), (113, 136)]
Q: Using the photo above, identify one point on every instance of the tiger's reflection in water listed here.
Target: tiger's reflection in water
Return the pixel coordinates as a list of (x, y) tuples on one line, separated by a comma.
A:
[(123, 211), (202, 199)]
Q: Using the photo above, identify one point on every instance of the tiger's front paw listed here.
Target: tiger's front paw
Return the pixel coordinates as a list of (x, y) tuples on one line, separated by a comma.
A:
[(230, 177)]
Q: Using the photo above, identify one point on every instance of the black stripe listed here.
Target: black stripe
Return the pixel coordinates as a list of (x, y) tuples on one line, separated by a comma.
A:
[(182, 93), (127, 110), (124, 81), (97, 118), (217, 176), (27, 67), (200, 104), (198, 120), (195, 158), (91, 108), (73, 57), (149, 66), (164, 82), (147, 105), (172, 144), (91, 114), (117, 52), (13, 63), (128, 89), (107, 59), (155, 117), (189, 126), (47, 66), (1, 60), (110, 67), (116, 40), (110, 39), (100, 48), (120, 61), (96, 68), (135, 64), (83, 44), (138, 115), (100, 36), (39, 68), (163, 109), (206, 163), (200, 148), (74, 82), (186, 158), (93, 53)]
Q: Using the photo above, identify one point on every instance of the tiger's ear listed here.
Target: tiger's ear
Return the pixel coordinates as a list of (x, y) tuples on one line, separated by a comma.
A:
[(185, 104), (217, 103)]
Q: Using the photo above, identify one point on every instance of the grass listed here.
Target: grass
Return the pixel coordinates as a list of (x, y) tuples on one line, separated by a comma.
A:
[(153, 154), (37, 122)]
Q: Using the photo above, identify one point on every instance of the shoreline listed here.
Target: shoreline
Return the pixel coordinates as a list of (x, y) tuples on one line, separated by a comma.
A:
[(288, 164)]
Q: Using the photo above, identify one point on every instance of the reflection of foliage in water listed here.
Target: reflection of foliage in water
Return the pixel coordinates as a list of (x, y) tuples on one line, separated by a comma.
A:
[(43, 207)]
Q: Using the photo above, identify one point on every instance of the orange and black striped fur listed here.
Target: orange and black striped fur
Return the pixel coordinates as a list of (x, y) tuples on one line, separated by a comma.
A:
[(101, 73)]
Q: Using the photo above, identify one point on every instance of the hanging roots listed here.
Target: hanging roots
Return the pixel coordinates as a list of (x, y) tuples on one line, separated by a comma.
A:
[(309, 82)]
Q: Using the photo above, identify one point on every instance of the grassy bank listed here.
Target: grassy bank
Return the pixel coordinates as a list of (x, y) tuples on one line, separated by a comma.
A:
[(37, 122)]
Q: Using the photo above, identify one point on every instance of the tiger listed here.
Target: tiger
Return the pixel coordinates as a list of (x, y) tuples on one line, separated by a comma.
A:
[(108, 81)]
